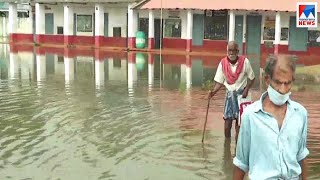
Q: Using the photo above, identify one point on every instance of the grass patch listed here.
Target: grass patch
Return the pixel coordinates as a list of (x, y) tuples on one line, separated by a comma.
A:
[(311, 70)]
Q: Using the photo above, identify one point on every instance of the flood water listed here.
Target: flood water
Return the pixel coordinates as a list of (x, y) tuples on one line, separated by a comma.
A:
[(82, 118)]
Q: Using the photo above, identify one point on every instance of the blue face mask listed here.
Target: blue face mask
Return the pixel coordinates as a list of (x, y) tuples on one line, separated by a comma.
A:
[(276, 97)]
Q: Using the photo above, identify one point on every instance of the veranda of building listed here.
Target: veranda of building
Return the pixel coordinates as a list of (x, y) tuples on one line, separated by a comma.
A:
[(260, 28)]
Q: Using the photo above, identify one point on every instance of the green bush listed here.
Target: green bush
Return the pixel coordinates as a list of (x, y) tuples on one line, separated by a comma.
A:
[(207, 85)]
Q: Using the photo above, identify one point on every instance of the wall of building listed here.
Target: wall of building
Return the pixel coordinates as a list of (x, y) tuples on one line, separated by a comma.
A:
[(219, 45), (117, 18), (58, 12), (58, 17), (86, 11), (170, 42), (24, 26), (173, 42)]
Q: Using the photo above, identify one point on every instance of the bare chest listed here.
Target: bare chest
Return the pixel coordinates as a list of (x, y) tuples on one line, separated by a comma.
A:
[(279, 115)]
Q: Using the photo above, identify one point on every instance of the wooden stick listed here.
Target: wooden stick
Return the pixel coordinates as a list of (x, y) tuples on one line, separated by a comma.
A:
[(205, 122)]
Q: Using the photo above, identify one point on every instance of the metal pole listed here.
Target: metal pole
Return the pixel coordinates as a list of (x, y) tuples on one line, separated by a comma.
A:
[(161, 35)]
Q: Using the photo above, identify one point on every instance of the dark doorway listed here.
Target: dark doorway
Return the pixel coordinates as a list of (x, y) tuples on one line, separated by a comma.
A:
[(157, 33)]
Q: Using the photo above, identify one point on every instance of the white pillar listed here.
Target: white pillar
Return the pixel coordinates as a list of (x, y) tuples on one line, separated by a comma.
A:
[(277, 33), (132, 70), (67, 23), (151, 24), (150, 70), (150, 76), (188, 77), (132, 74), (99, 24), (99, 20), (14, 65), (188, 71), (99, 72), (132, 26), (151, 42), (232, 24), (40, 19), (13, 16), (188, 99), (41, 67), (30, 20), (68, 69), (183, 74), (189, 29), (244, 49)]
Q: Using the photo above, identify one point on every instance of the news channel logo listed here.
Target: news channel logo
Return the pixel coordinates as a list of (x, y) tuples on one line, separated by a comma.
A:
[(306, 14)]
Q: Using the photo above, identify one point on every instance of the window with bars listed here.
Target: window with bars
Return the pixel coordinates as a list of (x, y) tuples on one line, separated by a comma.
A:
[(172, 28), (216, 25)]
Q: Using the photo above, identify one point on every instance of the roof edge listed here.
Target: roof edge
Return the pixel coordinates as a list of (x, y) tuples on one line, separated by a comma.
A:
[(140, 4), (214, 9)]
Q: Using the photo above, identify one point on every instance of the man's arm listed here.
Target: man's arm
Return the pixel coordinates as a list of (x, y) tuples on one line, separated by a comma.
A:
[(303, 150), (251, 78), (304, 168), (241, 160), (250, 83), (238, 174), (219, 79), (215, 89), (247, 88)]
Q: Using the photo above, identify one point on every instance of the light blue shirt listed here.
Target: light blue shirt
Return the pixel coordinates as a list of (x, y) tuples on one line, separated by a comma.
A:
[(266, 152)]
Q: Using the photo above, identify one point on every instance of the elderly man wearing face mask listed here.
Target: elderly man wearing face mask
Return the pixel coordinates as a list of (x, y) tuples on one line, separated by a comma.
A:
[(236, 74), (273, 135)]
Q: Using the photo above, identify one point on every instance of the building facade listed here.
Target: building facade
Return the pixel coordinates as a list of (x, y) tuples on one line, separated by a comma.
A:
[(259, 30)]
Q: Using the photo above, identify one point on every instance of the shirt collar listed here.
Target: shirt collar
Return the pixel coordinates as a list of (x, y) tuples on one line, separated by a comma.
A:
[(259, 106)]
